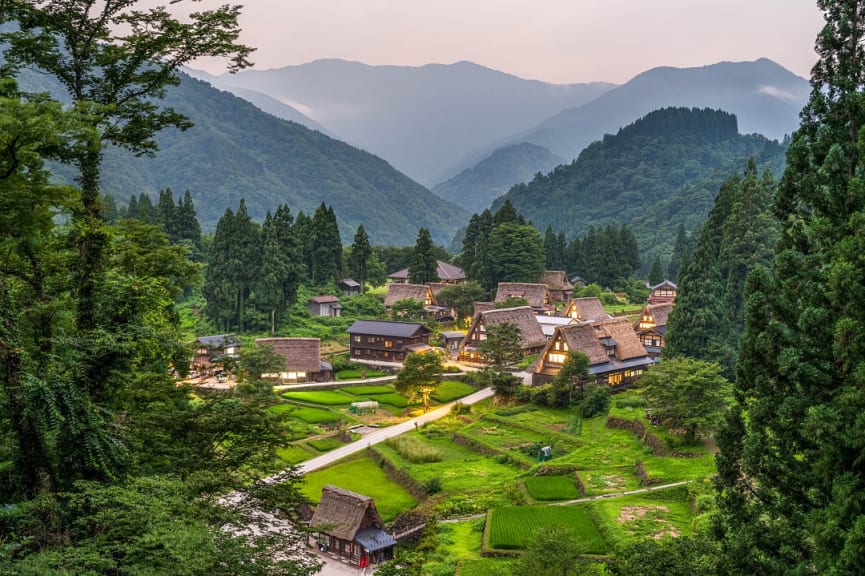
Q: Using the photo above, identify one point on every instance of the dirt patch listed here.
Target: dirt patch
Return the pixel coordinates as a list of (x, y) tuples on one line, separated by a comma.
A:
[(557, 427), (638, 516), (631, 513), (607, 482)]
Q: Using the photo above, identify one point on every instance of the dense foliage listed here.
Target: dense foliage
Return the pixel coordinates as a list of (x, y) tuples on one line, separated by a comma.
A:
[(662, 171), (710, 310), (792, 484)]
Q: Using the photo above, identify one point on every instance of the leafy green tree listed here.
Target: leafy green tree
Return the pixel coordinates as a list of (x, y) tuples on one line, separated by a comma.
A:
[(424, 265), (419, 376), (685, 556), (361, 252), (462, 297), (567, 386), (503, 345), (687, 393), (792, 483), (408, 309), (516, 253)]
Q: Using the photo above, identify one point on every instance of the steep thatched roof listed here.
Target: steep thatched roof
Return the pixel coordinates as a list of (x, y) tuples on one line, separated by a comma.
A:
[(397, 292), (301, 354), (537, 295), (583, 338), (483, 306), (622, 332), (522, 317), (324, 299), (656, 314), (555, 280), (340, 513), (587, 309)]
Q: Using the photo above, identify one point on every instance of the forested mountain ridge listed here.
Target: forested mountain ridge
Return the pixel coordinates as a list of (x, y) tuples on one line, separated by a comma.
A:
[(237, 151), (475, 188), (424, 120), (661, 171)]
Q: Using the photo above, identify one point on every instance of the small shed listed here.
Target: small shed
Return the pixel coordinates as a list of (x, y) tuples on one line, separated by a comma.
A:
[(365, 407), (349, 287), (452, 340)]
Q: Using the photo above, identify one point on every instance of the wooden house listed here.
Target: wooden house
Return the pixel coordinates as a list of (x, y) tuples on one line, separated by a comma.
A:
[(326, 306), (211, 352), (651, 328), (663, 293), (561, 290), (579, 282), (447, 273), (532, 338), (452, 340), (385, 342), (349, 525), (349, 287), (537, 295), (587, 309), (421, 293), (303, 361), (616, 357)]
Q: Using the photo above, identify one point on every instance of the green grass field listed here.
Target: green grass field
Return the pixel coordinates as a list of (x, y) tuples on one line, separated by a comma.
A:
[(367, 390), (363, 477), (394, 399), (355, 374), (324, 397), (451, 390), (281, 408), (512, 527), (293, 454), (316, 415), (326, 444), (551, 488)]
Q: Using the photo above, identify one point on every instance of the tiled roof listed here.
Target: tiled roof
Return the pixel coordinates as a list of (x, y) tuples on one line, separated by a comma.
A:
[(665, 284), (324, 299), (387, 328)]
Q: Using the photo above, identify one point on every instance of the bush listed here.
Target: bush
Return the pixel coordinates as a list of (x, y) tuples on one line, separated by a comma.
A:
[(631, 401), (460, 408), (433, 486), (609, 299), (596, 400)]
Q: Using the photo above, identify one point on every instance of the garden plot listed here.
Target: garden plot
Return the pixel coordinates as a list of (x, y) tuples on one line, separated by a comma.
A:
[(609, 480), (548, 488), (630, 519), (519, 440), (449, 390), (513, 527)]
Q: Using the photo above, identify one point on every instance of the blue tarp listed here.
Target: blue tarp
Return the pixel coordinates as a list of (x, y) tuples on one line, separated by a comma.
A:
[(374, 539)]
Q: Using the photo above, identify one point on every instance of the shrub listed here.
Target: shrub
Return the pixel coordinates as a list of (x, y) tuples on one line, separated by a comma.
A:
[(596, 400), (415, 450), (460, 408), (609, 299), (433, 485), (631, 401)]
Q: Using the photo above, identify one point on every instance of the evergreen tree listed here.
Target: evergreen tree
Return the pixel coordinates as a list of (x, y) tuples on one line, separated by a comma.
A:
[(165, 215), (132, 207), (188, 227), (218, 290), (680, 249), (361, 251), (516, 254), (424, 265), (656, 274), (304, 233), (244, 259), (290, 246), (326, 262), (146, 211), (791, 479), (275, 268), (507, 214)]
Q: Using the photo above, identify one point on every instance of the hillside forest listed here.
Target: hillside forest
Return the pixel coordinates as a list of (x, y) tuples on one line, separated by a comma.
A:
[(112, 463)]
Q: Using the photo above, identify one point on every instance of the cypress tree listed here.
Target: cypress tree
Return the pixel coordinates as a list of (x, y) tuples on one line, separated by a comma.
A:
[(791, 474), (361, 251), (656, 274), (424, 266)]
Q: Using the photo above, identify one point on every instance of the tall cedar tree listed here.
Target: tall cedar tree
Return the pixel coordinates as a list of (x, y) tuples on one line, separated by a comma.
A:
[(326, 264), (424, 266), (791, 474), (361, 252), (709, 316)]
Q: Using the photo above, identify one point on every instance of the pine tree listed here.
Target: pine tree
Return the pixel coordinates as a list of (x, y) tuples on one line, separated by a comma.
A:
[(656, 274), (361, 251), (165, 215), (290, 245), (792, 481), (326, 262), (680, 249), (424, 265)]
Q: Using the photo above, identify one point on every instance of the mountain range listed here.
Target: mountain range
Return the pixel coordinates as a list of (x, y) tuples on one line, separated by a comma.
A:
[(424, 120), (448, 126)]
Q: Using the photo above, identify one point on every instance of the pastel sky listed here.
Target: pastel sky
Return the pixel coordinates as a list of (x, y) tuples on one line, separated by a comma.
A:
[(557, 41)]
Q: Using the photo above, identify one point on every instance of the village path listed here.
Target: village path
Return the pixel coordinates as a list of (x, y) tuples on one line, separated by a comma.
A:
[(383, 434)]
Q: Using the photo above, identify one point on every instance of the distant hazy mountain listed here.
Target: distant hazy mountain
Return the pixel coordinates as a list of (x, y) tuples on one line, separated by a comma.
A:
[(764, 96), (264, 103), (423, 120), (475, 188), (237, 151), (660, 171)]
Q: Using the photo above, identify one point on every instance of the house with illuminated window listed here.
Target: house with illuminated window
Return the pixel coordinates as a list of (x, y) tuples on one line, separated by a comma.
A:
[(663, 293), (537, 295), (302, 356), (588, 309), (386, 341), (532, 338), (651, 328), (616, 357)]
